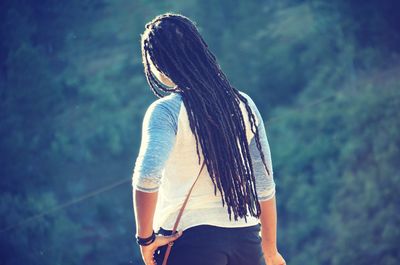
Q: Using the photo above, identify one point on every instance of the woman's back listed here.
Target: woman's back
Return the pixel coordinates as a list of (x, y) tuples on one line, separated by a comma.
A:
[(168, 163)]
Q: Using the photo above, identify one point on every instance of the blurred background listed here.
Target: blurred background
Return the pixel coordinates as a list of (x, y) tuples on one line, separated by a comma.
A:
[(324, 74)]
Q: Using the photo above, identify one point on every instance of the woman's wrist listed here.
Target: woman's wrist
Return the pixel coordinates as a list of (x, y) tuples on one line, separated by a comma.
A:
[(145, 241), (144, 232), (269, 249)]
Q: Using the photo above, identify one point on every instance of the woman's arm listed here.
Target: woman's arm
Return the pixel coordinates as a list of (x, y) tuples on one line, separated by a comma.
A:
[(158, 138), (268, 221), (145, 205), (265, 185)]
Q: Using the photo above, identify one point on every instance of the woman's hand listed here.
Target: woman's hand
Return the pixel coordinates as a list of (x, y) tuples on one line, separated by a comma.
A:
[(274, 259), (148, 251)]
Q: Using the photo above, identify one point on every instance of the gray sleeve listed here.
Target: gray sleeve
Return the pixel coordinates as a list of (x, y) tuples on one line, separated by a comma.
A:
[(158, 138), (265, 183)]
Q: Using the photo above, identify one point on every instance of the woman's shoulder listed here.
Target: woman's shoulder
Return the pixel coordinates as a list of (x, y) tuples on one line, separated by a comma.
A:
[(170, 102), (167, 105), (164, 110), (247, 96), (252, 106), (250, 101)]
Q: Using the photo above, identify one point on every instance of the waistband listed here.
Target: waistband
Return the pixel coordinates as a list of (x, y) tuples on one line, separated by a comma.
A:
[(213, 228)]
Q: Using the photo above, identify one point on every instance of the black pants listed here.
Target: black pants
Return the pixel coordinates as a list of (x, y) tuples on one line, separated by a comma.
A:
[(212, 245)]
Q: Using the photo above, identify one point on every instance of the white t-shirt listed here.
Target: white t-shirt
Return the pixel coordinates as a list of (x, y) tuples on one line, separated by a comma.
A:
[(167, 163)]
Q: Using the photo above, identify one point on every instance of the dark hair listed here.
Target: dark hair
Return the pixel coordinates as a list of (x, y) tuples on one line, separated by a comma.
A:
[(176, 49)]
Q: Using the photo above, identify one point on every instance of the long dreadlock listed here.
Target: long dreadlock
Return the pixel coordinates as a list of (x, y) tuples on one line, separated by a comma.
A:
[(175, 47)]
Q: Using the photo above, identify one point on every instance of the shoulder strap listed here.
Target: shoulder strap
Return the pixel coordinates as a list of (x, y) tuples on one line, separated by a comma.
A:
[(178, 218)]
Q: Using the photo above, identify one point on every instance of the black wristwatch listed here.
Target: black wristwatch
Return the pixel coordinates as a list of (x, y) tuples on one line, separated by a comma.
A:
[(146, 241)]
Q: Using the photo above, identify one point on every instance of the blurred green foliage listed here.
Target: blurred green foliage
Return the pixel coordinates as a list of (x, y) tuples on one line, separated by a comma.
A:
[(324, 74)]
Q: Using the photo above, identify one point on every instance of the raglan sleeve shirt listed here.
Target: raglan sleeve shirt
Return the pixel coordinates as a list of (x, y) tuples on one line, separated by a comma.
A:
[(158, 138), (159, 130)]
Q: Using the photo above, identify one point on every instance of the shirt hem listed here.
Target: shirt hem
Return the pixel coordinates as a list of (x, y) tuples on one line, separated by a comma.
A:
[(238, 225)]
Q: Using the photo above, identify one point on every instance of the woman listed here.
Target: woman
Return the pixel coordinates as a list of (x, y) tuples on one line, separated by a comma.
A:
[(202, 119)]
